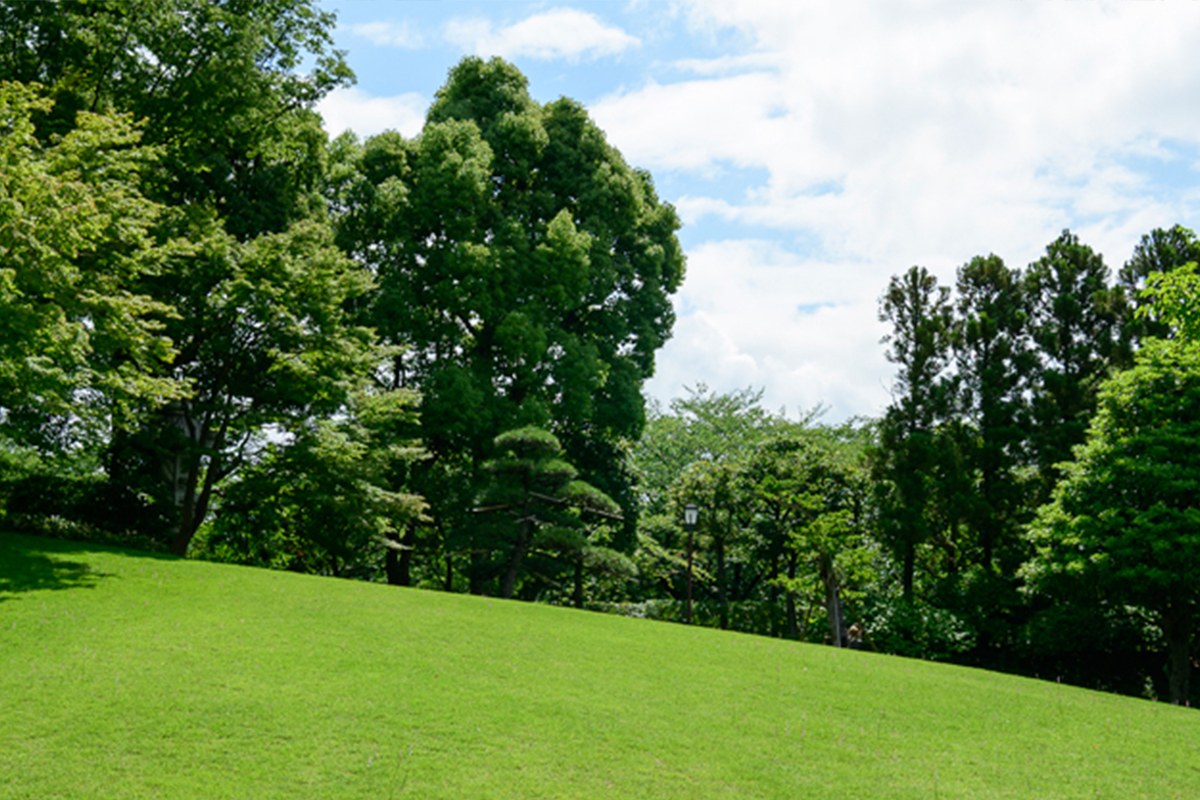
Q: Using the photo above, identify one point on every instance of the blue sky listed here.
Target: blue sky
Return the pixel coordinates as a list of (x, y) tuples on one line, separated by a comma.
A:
[(815, 149)]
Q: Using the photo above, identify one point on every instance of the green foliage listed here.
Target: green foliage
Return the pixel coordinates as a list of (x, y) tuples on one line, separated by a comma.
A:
[(704, 426), (246, 327), (1172, 300), (216, 81), (327, 500), (911, 441), (536, 508), (1158, 251), (76, 238), (524, 268), (805, 499), (995, 361), (1074, 318), (264, 337), (1124, 524)]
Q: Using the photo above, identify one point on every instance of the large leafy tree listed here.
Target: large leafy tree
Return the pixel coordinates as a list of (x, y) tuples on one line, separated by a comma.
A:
[(804, 496), (1124, 524), (523, 266), (217, 83), (255, 307), (263, 337), (689, 452)]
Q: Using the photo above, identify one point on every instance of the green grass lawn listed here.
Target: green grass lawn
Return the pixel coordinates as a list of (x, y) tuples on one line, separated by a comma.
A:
[(128, 675)]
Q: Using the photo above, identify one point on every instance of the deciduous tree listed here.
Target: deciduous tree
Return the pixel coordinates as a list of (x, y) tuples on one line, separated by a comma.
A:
[(1124, 523), (76, 242)]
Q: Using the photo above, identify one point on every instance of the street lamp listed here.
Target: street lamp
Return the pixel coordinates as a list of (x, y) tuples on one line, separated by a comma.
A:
[(691, 513)]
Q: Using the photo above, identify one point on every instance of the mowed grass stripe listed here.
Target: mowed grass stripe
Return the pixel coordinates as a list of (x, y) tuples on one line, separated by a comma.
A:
[(126, 675)]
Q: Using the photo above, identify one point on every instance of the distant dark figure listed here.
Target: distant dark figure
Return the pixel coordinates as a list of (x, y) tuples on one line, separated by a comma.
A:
[(855, 637)]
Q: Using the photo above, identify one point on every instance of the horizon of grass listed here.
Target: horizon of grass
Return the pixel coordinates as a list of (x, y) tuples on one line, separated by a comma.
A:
[(130, 675)]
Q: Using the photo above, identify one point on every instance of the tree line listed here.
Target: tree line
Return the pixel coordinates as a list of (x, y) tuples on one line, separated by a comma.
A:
[(996, 514), (421, 361)]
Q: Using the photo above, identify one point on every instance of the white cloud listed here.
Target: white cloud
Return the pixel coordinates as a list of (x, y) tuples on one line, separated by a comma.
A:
[(389, 34), (355, 110), (558, 33), (750, 314), (902, 133)]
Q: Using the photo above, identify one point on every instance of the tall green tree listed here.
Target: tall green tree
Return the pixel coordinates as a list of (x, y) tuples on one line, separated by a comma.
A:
[(920, 313), (255, 307), (1159, 251), (805, 498), (994, 362), (1124, 523), (525, 269), (264, 338), (1074, 318), (701, 440)]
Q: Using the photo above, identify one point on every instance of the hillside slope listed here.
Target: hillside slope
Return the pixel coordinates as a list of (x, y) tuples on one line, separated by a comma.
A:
[(126, 675)]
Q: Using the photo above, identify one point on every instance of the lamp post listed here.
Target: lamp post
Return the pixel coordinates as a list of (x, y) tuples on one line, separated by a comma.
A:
[(690, 513)]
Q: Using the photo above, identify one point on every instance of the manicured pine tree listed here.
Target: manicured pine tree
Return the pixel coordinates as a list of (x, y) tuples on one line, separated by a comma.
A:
[(533, 504)]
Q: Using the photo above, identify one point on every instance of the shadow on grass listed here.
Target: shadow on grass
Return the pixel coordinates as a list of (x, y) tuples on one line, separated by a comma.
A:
[(27, 565)]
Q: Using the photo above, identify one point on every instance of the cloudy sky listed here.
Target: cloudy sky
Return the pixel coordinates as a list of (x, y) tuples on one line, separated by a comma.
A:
[(813, 150)]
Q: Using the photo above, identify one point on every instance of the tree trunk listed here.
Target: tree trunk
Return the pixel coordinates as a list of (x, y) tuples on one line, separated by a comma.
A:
[(910, 564), (509, 582), (475, 574), (404, 568), (833, 602), (793, 629), (391, 564), (722, 602), (195, 506), (1177, 627), (183, 534), (578, 596), (449, 584)]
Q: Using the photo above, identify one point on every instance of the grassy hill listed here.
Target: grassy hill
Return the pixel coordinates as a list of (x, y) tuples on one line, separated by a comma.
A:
[(126, 675)]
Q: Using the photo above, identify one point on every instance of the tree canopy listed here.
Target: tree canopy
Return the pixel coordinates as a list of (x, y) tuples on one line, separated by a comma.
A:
[(76, 240), (1125, 520), (523, 269)]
